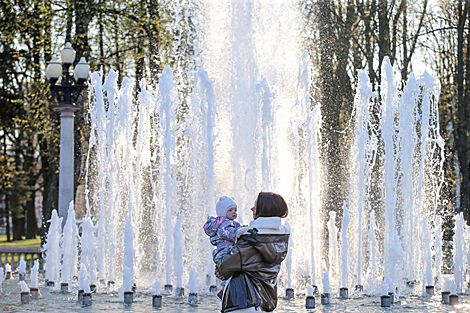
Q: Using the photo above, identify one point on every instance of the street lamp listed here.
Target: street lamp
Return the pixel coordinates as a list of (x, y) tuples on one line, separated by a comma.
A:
[(67, 94)]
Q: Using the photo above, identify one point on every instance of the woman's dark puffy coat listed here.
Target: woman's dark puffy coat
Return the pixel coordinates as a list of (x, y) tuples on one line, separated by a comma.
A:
[(253, 265)]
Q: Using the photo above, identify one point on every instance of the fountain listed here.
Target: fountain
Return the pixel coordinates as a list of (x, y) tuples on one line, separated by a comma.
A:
[(344, 253), (25, 294), (385, 299), (2, 278), (326, 296), (160, 156), (69, 249), (310, 300), (51, 250), (193, 287), (22, 268), (7, 271), (157, 297)]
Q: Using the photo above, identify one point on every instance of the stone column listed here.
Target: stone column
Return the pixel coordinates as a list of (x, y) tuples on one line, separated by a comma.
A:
[(66, 169)]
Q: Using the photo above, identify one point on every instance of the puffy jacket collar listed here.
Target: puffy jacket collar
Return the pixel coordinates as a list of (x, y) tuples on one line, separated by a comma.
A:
[(270, 225)]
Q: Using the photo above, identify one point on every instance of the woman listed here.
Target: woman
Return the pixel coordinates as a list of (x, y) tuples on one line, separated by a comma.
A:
[(254, 262)]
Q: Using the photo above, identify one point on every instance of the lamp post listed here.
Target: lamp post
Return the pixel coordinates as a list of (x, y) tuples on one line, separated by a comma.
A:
[(67, 94)]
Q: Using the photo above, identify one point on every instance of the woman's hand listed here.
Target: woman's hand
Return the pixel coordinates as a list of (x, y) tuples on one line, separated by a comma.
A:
[(217, 274)]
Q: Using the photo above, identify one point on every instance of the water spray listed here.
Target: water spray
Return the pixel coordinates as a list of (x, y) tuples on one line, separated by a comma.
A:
[(310, 301)]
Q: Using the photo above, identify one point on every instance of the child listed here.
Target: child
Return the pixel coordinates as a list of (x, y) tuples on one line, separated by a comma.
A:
[(223, 229)]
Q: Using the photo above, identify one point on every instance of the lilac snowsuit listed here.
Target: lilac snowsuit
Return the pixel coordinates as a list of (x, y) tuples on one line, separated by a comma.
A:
[(223, 234)]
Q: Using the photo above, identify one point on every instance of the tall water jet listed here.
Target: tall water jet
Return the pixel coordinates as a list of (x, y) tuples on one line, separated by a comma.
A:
[(332, 245), (69, 247), (88, 247), (458, 251), (389, 96), (110, 85), (266, 131), (363, 154), (373, 271), (344, 248), (129, 256), (167, 89), (51, 249), (426, 252), (201, 130), (102, 125), (178, 255), (407, 108), (438, 250), (308, 125), (288, 261)]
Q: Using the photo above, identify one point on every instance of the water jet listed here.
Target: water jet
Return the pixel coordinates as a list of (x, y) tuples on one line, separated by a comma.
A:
[(64, 287), (80, 295), (430, 290), (168, 288), (34, 293), (86, 299), (157, 301), (192, 298), (325, 298), (453, 299), (445, 297), (179, 292), (25, 297), (310, 302), (289, 293), (128, 296), (385, 301)]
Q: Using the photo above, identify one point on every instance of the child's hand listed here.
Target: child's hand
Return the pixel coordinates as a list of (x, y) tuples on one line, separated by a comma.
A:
[(243, 231)]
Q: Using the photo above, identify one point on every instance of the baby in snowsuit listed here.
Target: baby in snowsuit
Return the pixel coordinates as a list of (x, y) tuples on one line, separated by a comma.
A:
[(223, 229)]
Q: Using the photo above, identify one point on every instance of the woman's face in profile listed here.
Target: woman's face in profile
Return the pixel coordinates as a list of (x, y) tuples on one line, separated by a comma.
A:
[(253, 209)]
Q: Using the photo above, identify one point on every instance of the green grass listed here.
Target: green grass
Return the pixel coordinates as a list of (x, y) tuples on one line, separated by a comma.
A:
[(26, 243)]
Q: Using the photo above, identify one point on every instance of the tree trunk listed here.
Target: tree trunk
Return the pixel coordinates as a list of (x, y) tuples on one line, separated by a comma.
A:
[(139, 62), (330, 110), (30, 208), (83, 17), (384, 32), (462, 113), (343, 99), (7, 216), (154, 40)]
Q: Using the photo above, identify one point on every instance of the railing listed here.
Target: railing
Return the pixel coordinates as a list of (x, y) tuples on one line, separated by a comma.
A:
[(9, 255)]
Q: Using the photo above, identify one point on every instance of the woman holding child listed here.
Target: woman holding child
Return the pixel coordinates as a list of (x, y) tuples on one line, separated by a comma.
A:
[(252, 265)]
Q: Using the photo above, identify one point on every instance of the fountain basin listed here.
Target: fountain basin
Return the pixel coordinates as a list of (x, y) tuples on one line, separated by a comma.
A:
[(56, 301)]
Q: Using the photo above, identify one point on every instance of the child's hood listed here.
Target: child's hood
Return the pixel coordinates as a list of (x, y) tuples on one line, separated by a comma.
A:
[(213, 224)]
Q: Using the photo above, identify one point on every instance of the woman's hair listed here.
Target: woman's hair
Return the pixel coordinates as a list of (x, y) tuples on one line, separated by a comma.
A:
[(270, 204)]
